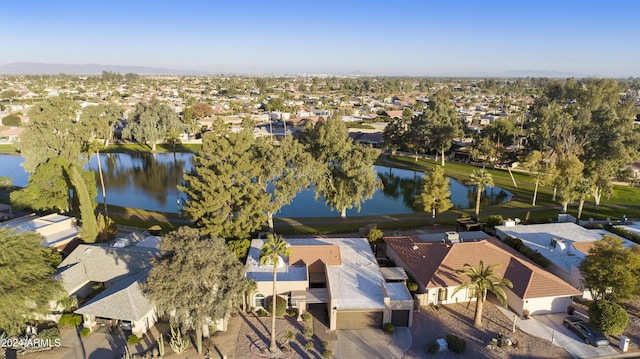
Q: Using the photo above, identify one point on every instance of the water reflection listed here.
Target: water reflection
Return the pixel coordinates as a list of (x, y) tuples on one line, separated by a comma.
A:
[(150, 180), (141, 180)]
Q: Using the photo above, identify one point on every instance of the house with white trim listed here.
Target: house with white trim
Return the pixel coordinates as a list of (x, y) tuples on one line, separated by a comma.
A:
[(339, 274), (564, 244), (433, 265)]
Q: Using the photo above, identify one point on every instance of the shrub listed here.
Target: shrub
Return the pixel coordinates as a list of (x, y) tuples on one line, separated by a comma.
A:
[(309, 345), (263, 313), (412, 285), (289, 335), (49, 334), (306, 317), (70, 320), (387, 328), (281, 305), (608, 316), (293, 312), (325, 345), (432, 347), (133, 339), (84, 332), (456, 344), (327, 354), (494, 220), (308, 332), (375, 235), (12, 120), (240, 247)]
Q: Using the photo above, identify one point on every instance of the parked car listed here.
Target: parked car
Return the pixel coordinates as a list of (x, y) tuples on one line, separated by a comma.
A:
[(585, 331)]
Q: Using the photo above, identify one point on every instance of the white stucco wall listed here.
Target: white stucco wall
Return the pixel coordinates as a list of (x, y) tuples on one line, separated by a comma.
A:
[(283, 289)]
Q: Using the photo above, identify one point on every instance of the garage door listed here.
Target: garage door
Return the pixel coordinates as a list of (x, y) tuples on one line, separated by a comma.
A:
[(400, 318), (358, 320)]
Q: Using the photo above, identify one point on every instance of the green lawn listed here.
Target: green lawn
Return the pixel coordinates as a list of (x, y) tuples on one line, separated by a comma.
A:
[(160, 148), (8, 149)]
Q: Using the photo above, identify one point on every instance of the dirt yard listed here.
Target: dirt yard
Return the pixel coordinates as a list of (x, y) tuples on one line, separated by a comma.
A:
[(430, 324)]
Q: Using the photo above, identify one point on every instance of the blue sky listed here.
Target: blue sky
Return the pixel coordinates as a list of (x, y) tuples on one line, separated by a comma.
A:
[(428, 37)]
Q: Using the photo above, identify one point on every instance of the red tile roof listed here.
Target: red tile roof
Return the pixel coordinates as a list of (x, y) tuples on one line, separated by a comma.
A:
[(434, 264), (315, 256)]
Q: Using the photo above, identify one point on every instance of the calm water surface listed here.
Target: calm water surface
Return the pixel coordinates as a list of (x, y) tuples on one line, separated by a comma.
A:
[(141, 180)]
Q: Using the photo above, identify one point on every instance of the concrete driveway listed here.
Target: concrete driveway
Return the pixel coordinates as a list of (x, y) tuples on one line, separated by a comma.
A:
[(565, 338), (372, 343), (102, 343)]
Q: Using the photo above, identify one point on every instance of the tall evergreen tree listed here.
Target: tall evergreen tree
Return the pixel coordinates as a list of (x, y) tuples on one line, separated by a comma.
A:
[(443, 122), (224, 198)]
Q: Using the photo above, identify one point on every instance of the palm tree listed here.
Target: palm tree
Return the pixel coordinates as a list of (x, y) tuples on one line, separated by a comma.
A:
[(96, 146), (583, 187), (480, 179), (270, 253), (482, 280)]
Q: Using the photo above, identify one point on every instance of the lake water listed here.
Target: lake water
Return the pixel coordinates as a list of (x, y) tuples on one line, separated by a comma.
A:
[(141, 180)]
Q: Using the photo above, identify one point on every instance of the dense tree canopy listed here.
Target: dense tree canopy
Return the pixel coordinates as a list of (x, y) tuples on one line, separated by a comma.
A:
[(443, 122), (196, 280), (435, 195), (224, 198), (150, 123), (347, 176), (589, 120), (52, 132), (27, 284), (285, 169), (611, 271)]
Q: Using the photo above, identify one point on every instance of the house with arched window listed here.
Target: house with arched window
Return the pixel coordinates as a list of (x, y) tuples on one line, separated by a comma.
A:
[(339, 276)]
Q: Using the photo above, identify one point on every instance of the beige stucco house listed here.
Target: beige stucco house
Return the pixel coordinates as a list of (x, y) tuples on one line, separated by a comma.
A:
[(433, 265), (339, 274)]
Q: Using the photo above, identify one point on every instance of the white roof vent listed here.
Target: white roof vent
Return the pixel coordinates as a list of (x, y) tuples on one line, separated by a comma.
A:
[(558, 243)]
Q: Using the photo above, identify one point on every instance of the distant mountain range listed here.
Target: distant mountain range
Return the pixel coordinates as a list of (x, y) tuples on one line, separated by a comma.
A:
[(34, 68)]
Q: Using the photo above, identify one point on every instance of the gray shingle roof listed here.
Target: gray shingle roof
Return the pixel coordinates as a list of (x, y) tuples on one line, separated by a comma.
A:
[(123, 300)]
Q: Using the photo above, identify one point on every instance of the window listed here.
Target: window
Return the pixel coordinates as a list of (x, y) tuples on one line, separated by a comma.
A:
[(471, 292), (442, 294), (259, 301)]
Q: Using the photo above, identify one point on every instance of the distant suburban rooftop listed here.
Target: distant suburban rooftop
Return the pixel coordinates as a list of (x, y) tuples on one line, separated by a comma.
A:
[(55, 228), (464, 236), (577, 240)]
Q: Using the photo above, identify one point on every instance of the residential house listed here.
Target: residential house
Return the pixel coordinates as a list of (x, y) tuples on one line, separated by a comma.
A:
[(57, 230), (433, 265), (9, 135), (564, 244), (108, 283), (339, 274)]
